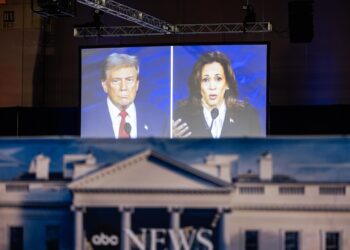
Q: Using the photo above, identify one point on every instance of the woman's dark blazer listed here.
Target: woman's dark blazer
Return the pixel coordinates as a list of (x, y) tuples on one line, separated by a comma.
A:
[(239, 121)]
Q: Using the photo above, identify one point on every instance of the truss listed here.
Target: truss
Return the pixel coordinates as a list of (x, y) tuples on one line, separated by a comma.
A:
[(223, 28), (149, 25), (129, 14), (179, 29)]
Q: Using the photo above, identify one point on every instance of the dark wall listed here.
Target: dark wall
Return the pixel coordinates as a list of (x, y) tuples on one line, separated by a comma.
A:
[(315, 73)]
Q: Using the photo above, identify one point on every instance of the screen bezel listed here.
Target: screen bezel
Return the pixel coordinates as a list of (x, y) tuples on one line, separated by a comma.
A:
[(265, 43)]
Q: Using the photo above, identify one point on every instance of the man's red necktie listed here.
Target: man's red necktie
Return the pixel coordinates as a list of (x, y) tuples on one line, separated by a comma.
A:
[(122, 132)]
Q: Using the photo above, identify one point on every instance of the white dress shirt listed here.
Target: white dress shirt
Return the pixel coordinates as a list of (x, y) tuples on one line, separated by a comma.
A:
[(218, 122), (131, 118)]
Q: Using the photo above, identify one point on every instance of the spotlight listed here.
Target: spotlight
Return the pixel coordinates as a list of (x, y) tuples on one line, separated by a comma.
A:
[(96, 16), (250, 16)]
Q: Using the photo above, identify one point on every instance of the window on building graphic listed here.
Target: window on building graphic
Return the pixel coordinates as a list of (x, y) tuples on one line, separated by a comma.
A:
[(291, 240), (52, 237), (330, 190), (251, 190), (17, 188), (251, 240), (286, 190), (218, 170), (332, 241), (16, 238)]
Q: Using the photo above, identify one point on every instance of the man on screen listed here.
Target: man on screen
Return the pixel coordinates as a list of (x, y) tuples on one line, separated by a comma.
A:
[(120, 116)]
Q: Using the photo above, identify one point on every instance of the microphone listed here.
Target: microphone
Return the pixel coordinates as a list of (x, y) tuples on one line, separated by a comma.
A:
[(214, 113), (127, 128)]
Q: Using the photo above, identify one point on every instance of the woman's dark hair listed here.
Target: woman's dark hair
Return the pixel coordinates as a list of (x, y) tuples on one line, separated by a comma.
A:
[(194, 83)]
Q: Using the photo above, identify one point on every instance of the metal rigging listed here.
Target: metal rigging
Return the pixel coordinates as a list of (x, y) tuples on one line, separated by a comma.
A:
[(149, 25), (179, 29)]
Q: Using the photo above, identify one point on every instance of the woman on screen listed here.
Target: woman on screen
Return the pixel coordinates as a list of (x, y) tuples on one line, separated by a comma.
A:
[(212, 108)]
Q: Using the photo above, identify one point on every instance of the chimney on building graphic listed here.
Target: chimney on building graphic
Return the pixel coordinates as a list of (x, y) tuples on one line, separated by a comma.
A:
[(40, 166), (265, 167), (223, 167), (76, 165)]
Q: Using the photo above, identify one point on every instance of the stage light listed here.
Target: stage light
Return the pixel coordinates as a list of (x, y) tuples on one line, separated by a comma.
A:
[(250, 16), (96, 16)]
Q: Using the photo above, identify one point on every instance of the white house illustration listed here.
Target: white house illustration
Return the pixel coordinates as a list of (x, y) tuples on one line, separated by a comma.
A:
[(150, 201)]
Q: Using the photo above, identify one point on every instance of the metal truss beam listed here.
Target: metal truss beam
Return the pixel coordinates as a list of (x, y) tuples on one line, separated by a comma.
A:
[(180, 29), (129, 14), (223, 28)]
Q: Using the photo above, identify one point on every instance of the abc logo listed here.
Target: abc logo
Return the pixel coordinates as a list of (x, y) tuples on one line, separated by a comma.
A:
[(104, 240)]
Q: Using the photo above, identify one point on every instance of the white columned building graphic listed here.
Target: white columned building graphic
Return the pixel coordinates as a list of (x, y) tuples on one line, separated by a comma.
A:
[(151, 181), (150, 201)]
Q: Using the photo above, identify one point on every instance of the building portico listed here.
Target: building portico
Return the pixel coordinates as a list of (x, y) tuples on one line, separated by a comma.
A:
[(175, 206)]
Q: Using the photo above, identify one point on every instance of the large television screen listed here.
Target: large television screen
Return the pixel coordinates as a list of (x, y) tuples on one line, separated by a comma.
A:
[(179, 91)]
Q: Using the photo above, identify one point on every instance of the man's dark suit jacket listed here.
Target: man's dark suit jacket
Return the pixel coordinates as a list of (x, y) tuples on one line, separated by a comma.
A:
[(96, 122), (240, 121)]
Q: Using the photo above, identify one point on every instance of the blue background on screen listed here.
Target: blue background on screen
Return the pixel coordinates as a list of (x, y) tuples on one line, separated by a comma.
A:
[(248, 62)]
